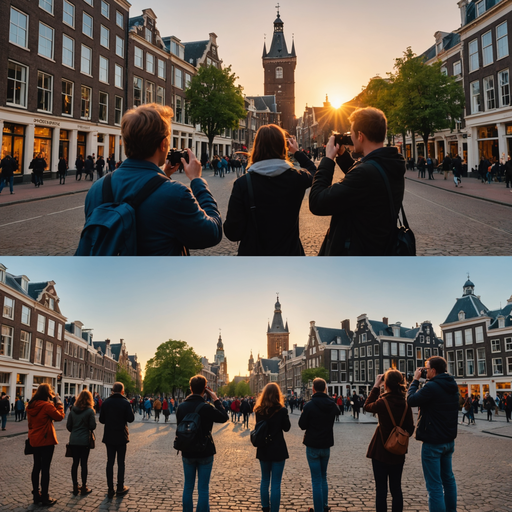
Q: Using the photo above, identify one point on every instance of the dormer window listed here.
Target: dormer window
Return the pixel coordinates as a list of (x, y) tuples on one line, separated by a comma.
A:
[(148, 36), (439, 47), (2, 275), (501, 322), (480, 8), (51, 304), (462, 315), (24, 284), (396, 332)]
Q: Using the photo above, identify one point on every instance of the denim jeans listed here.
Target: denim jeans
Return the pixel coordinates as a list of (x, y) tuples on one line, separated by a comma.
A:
[(318, 458), (3, 182), (4, 420), (436, 460), (203, 468), (271, 476)]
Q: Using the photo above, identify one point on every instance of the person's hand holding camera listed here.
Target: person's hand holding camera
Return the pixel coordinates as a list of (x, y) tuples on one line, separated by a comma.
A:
[(212, 395), (332, 150), (418, 374), (170, 169), (293, 145), (379, 381), (193, 168)]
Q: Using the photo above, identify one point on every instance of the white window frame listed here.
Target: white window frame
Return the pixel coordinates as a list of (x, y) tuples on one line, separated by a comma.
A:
[(48, 354), (71, 14), (38, 351), (495, 345), (119, 16), (148, 35), (72, 97), (86, 70), (480, 8), (25, 342), (49, 91), (160, 95), (104, 36), (8, 309), (105, 120), (117, 111), (279, 73), (479, 352), (474, 58), (138, 57), (508, 344), (50, 2), (470, 360), (161, 69), (178, 75), (502, 50), (119, 46), (468, 336), (496, 366), (448, 339), (458, 338), (52, 40), (87, 26), (107, 5), (18, 28), (476, 99), (103, 69), (58, 357), (150, 63), (487, 49), (118, 76), (26, 314), (84, 87), (41, 324), (141, 89), (67, 51), (479, 334), (7, 339), (51, 328), (504, 87), (490, 96), (457, 68)]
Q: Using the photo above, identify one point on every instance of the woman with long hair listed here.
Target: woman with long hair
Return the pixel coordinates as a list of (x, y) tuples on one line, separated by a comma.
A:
[(81, 421), (387, 465), (42, 410), (263, 210), (270, 407)]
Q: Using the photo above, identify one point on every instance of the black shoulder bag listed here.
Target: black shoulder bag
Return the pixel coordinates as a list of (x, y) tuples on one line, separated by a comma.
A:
[(403, 242)]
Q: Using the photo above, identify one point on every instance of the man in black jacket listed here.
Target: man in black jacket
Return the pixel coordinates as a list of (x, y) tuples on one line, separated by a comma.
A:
[(361, 223), (438, 401), (200, 462), (115, 414), (317, 419)]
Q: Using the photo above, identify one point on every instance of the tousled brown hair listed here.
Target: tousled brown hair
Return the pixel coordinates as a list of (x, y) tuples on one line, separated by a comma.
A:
[(144, 128), (84, 400), (197, 384), (370, 121), (438, 363), (395, 382), (270, 142), (269, 400), (44, 392)]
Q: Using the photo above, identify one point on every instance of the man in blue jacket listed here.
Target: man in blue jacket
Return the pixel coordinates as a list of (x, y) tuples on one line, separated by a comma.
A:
[(174, 218), (438, 402)]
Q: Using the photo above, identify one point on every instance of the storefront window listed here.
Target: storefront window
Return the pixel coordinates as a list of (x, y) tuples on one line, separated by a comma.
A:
[(440, 151), (488, 146), (80, 144), (487, 132), (43, 143), (64, 144), (503, 385), (13, 142)]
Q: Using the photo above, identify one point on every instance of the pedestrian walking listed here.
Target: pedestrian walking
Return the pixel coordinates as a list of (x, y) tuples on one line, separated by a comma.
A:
[(165, 409), (44, 408), (272, 456), (392, 409), (79, 164), (100, 165), (317, 419), (115, 414), (356, 405), (489, 405), (245, 409), (263, 210), (198, 458), (438, 402), (19, 409), (62, 170), (157, 406), (430, 168), (5, 407), (89, 167), (81, 422), (8, 167), (38, 165)]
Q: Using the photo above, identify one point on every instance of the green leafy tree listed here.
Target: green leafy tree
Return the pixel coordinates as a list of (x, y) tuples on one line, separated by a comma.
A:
[(428, 101), (171, 368), (123, 376), (242, 389), (215, 102), (313, 373)]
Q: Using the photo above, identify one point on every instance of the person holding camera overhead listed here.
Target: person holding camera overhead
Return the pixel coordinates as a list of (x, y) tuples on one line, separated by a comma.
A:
[(387, 465), (263, 210), (174, 218), (359, 203)]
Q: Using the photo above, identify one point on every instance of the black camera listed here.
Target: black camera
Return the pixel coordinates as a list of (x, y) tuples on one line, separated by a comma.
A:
[(175, 155), (343, 139), (424, 373)]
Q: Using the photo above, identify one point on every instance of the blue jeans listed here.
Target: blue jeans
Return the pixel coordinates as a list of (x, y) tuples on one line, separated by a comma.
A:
[(4, 420), (436, 460), (3, 181), (203, 468), (318, 458), (271, 470)]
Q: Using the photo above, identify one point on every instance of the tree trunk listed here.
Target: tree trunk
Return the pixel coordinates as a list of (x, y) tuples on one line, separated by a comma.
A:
[(413, 149), (404, 145)]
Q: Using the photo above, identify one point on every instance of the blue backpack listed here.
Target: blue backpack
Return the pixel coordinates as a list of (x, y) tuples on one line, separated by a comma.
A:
[(111, 228)]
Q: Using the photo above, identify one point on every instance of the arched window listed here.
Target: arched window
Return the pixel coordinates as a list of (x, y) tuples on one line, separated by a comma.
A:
[(279, 72)]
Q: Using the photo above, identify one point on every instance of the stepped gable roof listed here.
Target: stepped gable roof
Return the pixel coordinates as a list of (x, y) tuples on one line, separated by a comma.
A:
[(195, 50), (264, 103), (270, 365), (330, 336), (472, 307)]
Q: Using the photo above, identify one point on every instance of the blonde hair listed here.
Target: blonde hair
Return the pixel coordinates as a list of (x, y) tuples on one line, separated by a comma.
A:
[(144, 128)]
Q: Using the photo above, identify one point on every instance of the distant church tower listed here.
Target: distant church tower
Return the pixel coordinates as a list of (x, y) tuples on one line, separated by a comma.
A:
[(251, 363), (279, 79), (278, 336), (221, 360)]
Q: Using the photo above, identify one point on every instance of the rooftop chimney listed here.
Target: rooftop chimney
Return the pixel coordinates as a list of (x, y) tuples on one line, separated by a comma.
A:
[(385, 320)]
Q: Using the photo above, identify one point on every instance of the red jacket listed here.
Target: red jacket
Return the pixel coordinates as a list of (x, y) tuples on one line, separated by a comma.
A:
[(40, 415)]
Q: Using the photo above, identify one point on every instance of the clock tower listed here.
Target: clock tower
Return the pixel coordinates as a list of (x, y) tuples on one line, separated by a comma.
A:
[(278, 336), (279, 78)]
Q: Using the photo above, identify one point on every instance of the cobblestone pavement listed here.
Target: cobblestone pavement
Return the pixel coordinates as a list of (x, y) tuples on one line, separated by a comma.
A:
[(445, 220), (481, 464)]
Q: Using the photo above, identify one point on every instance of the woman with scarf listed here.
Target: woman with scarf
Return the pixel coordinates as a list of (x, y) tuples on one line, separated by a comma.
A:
[(263, 210)]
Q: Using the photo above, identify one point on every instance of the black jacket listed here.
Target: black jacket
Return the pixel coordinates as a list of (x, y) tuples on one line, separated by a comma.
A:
[(38, 165), (359, 203), (438, 401), (276, 450), (278, 201), (9, 166), (209, 415), (317, 419), (5, 406), (115, 413)]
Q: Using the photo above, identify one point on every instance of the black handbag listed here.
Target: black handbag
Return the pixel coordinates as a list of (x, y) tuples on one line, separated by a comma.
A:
[(69, 451), (29, 449), (403, 242), (260, 436), (92, 440)]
